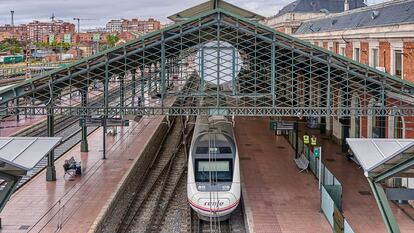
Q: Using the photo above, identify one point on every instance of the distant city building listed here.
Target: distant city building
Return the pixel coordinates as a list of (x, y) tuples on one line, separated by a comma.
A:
[(36, 30), (18, 32), (114, 25), (134, 26), (98, 29), (290, 17)]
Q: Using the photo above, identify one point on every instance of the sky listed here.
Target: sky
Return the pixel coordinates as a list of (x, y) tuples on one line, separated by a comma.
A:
[(97, 12)]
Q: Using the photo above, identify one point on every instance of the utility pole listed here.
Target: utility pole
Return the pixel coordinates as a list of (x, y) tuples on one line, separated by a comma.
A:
[(78, 19), (12, 18), (81, 19), (77, 48)]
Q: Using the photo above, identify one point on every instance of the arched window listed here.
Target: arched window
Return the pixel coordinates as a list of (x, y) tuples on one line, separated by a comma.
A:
[(398, 127)]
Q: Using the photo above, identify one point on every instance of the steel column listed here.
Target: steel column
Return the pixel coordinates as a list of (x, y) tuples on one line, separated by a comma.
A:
[(384, 207), (162, 73), (106, 104), (50, 171), (122, 95), (17, 110), (84, 128), (133, 74), (273, 72)]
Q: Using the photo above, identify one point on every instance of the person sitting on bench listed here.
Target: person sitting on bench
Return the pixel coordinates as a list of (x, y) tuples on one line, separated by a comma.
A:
[(72, 167)]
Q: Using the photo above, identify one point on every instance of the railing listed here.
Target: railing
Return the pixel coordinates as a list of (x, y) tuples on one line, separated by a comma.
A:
[(331, 190)]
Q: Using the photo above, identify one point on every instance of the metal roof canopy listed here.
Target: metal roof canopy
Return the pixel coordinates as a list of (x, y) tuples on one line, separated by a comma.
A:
[(211, 5), (384, 158), (279, 76), (20, 154), (17, 156)]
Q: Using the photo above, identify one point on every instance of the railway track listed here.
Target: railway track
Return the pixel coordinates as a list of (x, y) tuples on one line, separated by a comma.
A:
[(154, 193), (158, 202), (235, 224), (201, 226)]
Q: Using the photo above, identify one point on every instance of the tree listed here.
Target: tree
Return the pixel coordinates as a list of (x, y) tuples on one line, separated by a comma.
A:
[(112, 39), (11, 45)]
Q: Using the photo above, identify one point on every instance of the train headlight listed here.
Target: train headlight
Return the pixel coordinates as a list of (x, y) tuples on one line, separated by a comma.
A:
[(201, 187), (225, 187)]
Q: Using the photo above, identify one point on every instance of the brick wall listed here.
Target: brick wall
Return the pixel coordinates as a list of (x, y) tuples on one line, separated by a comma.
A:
[(364, 127), (409, 127), (364, 53), (325, 45), (349, 50), (385, 55), (336, 47), (408, 60)]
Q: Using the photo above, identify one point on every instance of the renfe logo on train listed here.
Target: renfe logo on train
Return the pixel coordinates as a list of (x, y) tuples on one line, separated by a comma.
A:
[(213, 203)]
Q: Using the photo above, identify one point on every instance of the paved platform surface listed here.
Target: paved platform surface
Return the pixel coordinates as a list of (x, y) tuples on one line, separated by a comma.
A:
[(361, 210), (9, 125), (72, 206), (280, 198)]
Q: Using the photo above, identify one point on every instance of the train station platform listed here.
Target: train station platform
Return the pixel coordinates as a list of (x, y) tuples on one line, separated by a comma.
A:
[(73, 205), (277, 197), (358, 203), (9, 126)]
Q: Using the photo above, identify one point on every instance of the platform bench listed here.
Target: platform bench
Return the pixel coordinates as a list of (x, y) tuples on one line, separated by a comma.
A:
[(302, 162)]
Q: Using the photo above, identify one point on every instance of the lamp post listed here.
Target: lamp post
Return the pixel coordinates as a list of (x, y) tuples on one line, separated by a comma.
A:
[(299, 114)]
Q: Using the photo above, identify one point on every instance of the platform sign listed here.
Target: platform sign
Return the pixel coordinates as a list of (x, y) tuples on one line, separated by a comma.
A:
[(317, 152), (97, 122), (282, 125)]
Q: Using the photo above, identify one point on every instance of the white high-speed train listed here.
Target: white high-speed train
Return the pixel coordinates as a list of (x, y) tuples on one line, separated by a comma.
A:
[(213, 178)]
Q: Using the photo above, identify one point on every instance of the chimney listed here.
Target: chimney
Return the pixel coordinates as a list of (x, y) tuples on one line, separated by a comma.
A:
[(346, 5), (12, 18)]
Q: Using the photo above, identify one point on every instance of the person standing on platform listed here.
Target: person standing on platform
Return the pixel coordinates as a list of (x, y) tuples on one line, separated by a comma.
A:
[(313, 141), (306, 139)]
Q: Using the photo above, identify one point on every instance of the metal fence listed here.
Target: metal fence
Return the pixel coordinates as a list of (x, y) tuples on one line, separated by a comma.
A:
[(331, 190)]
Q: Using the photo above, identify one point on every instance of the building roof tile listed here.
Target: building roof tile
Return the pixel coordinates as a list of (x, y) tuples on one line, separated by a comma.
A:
[(397, 12), (316, 6)]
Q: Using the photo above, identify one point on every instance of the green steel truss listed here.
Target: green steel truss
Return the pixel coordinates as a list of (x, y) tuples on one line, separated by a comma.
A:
[(242, 68)]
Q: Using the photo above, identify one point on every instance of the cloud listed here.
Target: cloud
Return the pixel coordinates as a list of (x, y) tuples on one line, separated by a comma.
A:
[(101, 11)]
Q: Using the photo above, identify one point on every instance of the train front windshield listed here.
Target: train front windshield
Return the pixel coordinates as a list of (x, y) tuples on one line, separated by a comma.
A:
[(215, 170)]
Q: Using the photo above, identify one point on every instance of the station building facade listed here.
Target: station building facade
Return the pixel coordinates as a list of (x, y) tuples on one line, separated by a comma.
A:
[(380, 36)]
